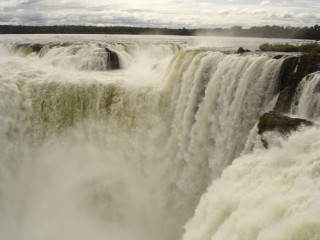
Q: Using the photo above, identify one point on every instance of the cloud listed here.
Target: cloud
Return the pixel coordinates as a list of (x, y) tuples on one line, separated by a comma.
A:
[(287, 15), (265, 3), (243, 12), (26, 2), (6, 17), (224, 12), (165, 13), (307, 15), (206, 11)]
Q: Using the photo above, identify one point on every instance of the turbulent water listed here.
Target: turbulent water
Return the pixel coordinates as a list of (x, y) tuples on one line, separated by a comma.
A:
[(156, 150)]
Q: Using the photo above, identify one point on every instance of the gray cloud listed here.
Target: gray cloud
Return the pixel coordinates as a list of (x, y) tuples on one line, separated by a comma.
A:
[(6, 17), (288, 15), (28, 2), (165, 13)]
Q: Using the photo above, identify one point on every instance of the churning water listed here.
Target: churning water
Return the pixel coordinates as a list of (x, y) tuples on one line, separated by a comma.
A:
[(154, 150)]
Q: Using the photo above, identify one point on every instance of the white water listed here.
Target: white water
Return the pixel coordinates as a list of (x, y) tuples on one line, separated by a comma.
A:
[(268, 194), (307, 99), (127, 154)]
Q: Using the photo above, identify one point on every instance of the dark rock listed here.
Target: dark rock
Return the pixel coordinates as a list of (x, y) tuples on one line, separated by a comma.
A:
[(308, 63), (265, 143), (113, 59), (278, 57), (293, 70), (30, 47), (242, 50), (273, 121), (37, 47), (288, 67)]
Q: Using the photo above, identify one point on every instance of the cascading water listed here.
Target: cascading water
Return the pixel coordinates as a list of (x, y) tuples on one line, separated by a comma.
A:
[(88, 153), (307, 99), (268, 194)]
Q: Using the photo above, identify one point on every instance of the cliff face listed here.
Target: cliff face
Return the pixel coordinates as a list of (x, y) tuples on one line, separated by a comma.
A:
[(294, 69)]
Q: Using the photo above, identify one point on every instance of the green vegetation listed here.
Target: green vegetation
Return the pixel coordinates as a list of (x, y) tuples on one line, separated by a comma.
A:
[(235, 31), (278, 48), (310, 48), (305, 48)]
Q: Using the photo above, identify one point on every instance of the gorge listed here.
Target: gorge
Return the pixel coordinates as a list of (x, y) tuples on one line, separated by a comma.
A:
[(157, 138)]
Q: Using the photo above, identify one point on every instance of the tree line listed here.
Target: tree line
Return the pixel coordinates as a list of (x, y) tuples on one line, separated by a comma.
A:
[(235, 31)]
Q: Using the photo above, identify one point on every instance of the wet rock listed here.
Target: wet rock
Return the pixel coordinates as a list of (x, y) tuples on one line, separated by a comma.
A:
[(29, 48), (113, 59), (37, 47), (278, 57), (242, 50), (273, 121)]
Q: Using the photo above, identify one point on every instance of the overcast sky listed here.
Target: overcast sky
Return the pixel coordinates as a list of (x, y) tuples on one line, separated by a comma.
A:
[(161, 13)]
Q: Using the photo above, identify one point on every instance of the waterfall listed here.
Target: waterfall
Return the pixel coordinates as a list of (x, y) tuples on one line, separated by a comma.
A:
[(216, 102), (268, 193), (307, 98), (133, 153)]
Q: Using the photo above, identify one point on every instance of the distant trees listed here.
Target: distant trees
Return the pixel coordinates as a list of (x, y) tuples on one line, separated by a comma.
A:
[(72, 29), (235, 31), (266, 32)]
